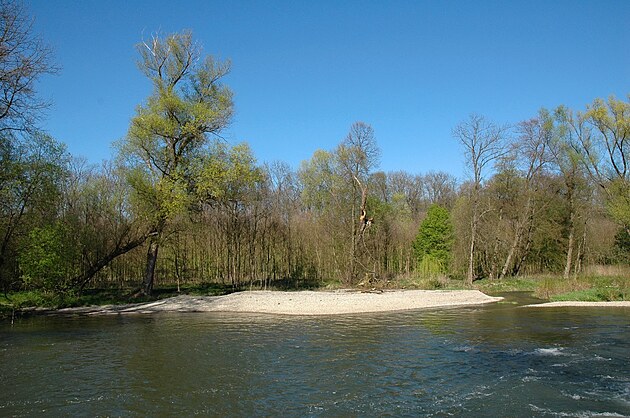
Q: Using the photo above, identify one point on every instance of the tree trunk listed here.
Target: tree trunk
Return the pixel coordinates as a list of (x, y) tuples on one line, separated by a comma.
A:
[(567, 266), (494, 267), (525, 252), (521, 227), (149, 275), (580, 254), (474, 224), (512, 252), (471, 253), (83, 279)]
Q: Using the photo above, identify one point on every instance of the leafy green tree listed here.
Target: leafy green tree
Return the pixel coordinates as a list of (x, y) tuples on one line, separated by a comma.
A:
[(32, 172), (47, 260), (435, 238), (188, 105), (319, 182), (228, 174), (230, 178), (601, 136), (619, 202), (622, 245)]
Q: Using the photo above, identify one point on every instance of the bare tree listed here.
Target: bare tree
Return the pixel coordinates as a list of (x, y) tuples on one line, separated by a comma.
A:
[(530, 154), (483, 143), (440, 188), (357, 155), (24, 57)]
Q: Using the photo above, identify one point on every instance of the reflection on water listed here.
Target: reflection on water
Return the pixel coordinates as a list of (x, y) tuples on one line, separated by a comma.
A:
[(499, 360)]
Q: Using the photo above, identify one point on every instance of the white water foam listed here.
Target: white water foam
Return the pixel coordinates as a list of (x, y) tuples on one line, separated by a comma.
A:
[(577, 414), (556, 351)]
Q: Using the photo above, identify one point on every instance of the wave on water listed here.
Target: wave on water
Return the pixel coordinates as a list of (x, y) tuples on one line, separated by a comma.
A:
[(465, 349), (577, 414), (555, 351)]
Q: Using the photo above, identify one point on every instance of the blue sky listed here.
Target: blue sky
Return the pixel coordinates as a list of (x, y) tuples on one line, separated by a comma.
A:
[(304, 71)]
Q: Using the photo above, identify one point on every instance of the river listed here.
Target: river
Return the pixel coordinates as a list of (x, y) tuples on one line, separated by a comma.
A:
[(495, 360)]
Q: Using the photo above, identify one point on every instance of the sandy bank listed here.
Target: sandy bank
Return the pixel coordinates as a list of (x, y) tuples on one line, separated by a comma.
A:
[(300, 303), (575, 303)]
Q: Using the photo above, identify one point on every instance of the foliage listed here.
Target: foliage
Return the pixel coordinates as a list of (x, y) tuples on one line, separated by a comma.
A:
[(171, 130), (33, 169), (619, 202), (544, 197), (601, 140), (434, 242), (46, 261), (228, 174), (622, 245)]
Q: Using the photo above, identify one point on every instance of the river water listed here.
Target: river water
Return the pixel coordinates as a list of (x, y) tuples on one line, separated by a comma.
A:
[(495, 360)]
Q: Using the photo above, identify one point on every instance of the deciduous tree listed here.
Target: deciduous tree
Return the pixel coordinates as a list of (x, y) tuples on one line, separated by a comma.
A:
[(32, 172), (483, 143), (24, 58), (188, 105)]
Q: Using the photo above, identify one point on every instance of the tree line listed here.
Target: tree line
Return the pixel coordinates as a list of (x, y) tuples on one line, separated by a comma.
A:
[(180, 205)]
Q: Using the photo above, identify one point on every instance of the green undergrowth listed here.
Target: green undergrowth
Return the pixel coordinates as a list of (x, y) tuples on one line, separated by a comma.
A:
[(590, 289), (556, 288), (428, 282), (511, 284), (32, 300)]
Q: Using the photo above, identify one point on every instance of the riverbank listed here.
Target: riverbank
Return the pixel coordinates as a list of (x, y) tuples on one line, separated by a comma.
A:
[(621, 303), (297, 303)]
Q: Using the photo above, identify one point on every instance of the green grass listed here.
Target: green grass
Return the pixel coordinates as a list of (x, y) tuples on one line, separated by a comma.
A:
[(511, 284), (556, 288), (593, 289), (589, 295)]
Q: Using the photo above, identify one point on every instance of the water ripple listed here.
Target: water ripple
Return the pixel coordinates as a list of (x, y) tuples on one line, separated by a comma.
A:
[(491, 361)]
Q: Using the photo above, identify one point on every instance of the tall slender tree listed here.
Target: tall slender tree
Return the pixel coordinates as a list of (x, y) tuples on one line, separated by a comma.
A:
[(483, 143), (357, 155), (188, 105)]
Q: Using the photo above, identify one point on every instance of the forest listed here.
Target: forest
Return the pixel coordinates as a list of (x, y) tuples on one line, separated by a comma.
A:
[(180, 206)]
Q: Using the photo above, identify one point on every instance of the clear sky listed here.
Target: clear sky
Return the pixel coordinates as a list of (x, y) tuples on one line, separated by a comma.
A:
[(304, 71)]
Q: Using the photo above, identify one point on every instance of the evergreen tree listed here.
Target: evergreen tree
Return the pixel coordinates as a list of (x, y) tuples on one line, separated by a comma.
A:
[(434, 241)]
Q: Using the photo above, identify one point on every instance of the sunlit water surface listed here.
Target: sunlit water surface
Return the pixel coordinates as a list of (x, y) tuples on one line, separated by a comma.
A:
[(498, 360)]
